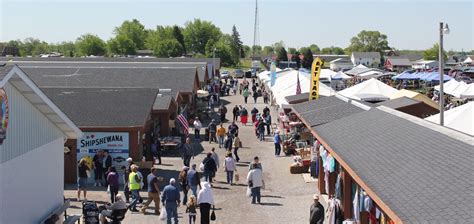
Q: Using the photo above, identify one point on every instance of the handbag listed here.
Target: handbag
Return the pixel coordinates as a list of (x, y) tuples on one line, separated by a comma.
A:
[(213, 214)]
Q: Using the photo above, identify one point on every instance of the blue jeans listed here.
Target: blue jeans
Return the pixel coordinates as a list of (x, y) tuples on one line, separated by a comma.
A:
[(194, 190), (171, 212), (261, 134), (135, 198), (277, 149), (220, 140), (255, 194), (208, 176), (237, 158), (230, 177)]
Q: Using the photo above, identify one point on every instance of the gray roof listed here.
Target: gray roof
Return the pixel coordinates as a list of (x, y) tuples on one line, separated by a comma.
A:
[(420, 173), (399, 102), (199, 66), (97, 107), (298, 97), (366, 54), (398, 61), (324, 110), (162, 102), (4, 70), (83, 75)]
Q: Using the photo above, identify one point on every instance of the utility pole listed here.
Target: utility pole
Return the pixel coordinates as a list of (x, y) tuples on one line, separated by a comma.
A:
[(255, 29), (442, 30)]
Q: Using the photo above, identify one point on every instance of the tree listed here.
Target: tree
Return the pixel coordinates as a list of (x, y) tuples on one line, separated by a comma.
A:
[(282, 55), (369, 41), (89, 44), (236, 42), (279, 44), (332, 50), (433, 53), (292, 50), (33, 47), (122, 45), (134, 31), (296, 58), (249, 51), (314, 48), (223, 50), (168, 48), (178, 35), (67, 48), (308, 59), (197, 33), (268, 50)]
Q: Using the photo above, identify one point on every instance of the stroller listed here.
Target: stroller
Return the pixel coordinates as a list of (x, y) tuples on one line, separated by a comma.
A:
[(90, 212)]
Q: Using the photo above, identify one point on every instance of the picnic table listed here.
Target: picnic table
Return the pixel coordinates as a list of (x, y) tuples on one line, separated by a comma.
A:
[(170, 141)]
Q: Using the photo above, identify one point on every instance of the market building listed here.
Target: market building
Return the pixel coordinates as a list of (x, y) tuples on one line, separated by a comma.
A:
[(33, 132), (382, 164)]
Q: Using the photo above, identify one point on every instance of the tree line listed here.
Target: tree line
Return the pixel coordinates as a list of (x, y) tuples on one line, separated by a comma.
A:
[(197, 38)]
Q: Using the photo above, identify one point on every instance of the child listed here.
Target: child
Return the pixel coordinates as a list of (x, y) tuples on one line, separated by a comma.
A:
[(191, 209)]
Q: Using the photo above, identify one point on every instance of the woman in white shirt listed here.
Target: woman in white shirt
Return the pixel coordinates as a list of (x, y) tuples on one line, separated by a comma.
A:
[(255, 183), (205, 200), (230, 167), (197, 128)]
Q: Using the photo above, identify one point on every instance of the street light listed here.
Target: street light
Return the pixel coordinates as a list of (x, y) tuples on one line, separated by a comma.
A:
[(214, 63), (442, 31)]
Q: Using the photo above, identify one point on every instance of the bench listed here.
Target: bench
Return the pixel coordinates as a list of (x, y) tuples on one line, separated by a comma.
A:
[(62, 209)]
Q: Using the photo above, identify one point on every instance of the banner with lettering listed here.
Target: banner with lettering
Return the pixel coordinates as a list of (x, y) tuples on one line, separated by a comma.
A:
[(315, 72), (116, 143)]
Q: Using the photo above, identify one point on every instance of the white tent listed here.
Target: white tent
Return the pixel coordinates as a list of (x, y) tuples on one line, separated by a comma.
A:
[(459, 118), (468, 92), (370, 90), (340, 76), (285, 85), (369, 74), (326, 74), (460, 88), (265, 75), (448, 85)]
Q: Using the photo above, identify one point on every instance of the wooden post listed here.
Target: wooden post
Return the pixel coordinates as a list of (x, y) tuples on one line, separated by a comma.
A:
[(322, 189), (346, 195)]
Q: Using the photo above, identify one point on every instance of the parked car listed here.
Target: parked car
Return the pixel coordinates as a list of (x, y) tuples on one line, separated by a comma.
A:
[(239, 73), (224, 74)]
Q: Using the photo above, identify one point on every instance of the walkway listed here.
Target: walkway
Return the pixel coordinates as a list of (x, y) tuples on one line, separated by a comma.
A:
[(286, 199)]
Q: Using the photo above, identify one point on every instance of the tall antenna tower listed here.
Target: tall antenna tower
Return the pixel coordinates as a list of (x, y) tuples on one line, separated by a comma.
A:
[(256, 34)]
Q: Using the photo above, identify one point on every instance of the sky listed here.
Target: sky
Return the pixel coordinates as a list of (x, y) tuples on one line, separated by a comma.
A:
[(408, 24)]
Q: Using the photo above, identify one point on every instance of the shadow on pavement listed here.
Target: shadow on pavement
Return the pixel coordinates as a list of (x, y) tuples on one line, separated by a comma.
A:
[(271, 204), (271, 196)]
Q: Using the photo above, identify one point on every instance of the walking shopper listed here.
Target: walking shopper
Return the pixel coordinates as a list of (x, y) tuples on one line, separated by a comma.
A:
[(107, 164), (98, 160), (215, 157), (246, 94), (222, 112), (183, 182), (156, 151), (236, 144), (134, 182), (277, 141), (261, 129), (153, 192), (235, 112), (228, 142), (316, 212), (255, 96), (188, 152), (113, 182), (266, 111), (197, 128), (255, 164), (193, 179), (233, 129), (255, 182), (254, 113), (268, 122), (230, 168), (191, 209), (212, 131), (265, 96), (209, 167), (243, 116), (82, 179), (205, 200), (126, 187), (221, 135), (170, 199)]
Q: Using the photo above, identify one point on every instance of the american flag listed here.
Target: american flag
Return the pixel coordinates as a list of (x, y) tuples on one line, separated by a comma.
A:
[(183, 121), (298, 86)]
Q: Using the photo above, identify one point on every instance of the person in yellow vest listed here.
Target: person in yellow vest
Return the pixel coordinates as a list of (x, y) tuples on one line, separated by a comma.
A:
[(134, 181)]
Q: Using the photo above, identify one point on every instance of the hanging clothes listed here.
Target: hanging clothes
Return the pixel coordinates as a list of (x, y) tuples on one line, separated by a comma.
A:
[(326, 181), (338, 192), (331, 164), (331, 211), (323, 153), (367, 203), (339, 217), (355, 206)]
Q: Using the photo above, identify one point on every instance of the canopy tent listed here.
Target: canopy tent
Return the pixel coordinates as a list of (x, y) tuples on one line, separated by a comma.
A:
[(369, 90), (369, 74), (459, 118), (451, 84), (340, 76), (453, 88), (468, 92), (326, 74), (407, 76), (265, 75), (395, 77), (358, 69), (416, 96), (285, 85)]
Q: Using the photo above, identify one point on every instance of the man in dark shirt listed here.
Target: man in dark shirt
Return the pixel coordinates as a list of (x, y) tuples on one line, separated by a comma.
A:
[(209, 167), (171, 200), (82, 180), (212, 131), (316, 215), (235, 112), (107, 165), (153, 192), (193, 179)]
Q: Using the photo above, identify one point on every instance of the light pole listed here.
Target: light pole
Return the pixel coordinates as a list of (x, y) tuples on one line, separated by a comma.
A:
[(442, 30), (214, 63)]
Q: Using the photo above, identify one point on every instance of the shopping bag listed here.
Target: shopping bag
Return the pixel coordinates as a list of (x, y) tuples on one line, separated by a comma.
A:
[(236, 177), (163, 214), (213, 214), (201, 166), (249, 192), (108, 189)]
